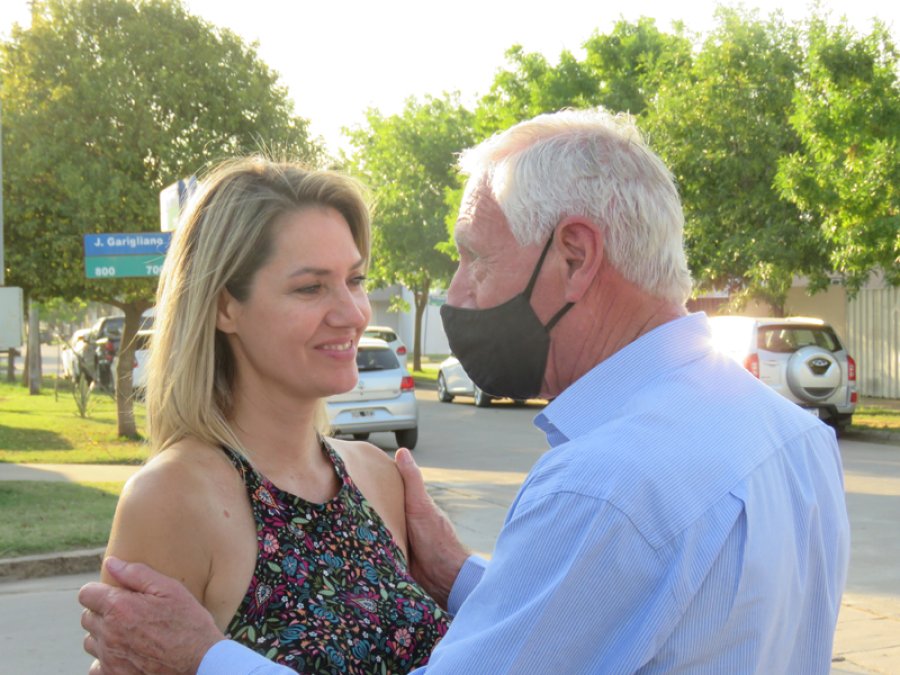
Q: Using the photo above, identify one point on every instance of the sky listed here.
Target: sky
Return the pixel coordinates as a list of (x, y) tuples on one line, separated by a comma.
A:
[(339, 58)]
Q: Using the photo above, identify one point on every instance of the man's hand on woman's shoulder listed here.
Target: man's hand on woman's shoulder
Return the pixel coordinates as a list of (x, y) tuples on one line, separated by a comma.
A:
[(435, 552)]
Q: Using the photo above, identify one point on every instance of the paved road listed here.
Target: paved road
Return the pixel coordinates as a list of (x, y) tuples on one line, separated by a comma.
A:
[(474, 461)]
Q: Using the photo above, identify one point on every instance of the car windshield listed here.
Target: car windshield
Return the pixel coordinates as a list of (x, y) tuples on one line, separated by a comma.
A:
[(788, 339), (376, 359)]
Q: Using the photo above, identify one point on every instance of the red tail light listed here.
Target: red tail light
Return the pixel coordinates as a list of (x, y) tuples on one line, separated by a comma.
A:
[(851, 369), (407, 383), (751, 363), (854, 397), (401, 350)]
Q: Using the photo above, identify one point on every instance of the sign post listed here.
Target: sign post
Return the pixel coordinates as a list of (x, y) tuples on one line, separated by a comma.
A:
[(116, 256)]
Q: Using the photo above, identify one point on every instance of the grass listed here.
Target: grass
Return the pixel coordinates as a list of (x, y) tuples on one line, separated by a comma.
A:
[(47, 428), (876, 417), (43, 517), (428, 373)]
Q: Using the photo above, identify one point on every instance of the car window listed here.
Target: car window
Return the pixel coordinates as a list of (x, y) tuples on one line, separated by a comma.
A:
[(142, 341), (788, 339), (113, 326), (376, 359), (386, 335)]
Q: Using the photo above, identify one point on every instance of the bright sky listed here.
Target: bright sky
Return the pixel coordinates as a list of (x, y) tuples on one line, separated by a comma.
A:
[(339, 58)]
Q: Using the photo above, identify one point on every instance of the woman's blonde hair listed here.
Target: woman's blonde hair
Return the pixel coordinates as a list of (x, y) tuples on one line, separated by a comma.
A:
[(223, 239)]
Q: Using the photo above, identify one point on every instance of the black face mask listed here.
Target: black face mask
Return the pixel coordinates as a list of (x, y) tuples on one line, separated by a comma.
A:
[(503, 349)]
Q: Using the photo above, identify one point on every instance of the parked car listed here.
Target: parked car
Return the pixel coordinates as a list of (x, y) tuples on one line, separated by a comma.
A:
[(139, 362), (453, 381), (384, 398), (390, 336), (801, 358), (102, 345), (104, 338), (72, 353)]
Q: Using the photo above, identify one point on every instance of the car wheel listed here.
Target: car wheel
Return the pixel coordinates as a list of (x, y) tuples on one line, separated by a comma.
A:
[(361, 437), (840, 423), (407, 438), (482, 400), (444, 396)]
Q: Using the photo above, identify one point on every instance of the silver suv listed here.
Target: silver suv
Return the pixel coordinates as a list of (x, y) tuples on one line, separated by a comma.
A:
[(800, 358)]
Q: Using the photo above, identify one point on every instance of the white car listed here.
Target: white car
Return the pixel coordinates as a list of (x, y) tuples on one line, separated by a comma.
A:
[(139, 365), (801, 358), (453, 381), (384, 398), (390, 336)]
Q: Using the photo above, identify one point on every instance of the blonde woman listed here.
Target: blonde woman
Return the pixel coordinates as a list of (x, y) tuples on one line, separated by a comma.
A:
[(295, 543)]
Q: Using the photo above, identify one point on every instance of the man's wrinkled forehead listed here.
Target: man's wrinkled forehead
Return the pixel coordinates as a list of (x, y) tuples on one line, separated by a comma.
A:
[(479, 211)]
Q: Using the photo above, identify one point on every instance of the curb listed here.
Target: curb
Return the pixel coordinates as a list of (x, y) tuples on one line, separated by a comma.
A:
[(51, 564), (879, 435)]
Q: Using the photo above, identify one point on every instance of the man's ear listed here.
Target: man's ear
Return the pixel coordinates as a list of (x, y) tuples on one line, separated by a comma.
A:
[(581, 244), (227, 312)]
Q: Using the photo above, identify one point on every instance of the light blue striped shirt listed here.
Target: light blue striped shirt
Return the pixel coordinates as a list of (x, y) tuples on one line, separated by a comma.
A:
[(687, 519)]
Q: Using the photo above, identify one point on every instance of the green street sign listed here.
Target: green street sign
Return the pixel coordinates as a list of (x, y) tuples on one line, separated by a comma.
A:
[(119, 266)]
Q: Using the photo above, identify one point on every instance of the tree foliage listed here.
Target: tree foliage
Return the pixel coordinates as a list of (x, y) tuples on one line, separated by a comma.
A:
[(783, 139), (621, 71), (845, 177), (722, 129), (408, 161), (629, 63), (530, 86), (105, 102)]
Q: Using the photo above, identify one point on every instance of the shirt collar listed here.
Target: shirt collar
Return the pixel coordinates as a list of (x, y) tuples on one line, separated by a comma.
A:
[(598, 394)]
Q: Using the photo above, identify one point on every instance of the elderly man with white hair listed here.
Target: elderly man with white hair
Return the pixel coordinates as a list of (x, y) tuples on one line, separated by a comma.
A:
[(684, 519)]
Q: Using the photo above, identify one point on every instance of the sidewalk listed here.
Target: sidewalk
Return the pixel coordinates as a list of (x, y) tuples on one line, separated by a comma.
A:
[(867, 641)]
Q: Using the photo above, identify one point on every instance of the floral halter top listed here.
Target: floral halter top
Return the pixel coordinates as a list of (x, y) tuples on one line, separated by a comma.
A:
[(331, 592)]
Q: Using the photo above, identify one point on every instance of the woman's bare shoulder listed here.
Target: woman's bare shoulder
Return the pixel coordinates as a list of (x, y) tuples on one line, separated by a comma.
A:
[(364, 455), (187, 471), (168, 514)]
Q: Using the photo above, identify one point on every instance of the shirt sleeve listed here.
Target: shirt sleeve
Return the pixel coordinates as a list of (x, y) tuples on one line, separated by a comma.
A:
[(572, 587), (467, 579), (230, 658)]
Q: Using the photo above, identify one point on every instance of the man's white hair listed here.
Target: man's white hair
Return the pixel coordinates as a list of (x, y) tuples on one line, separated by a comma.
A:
[(593, 164)]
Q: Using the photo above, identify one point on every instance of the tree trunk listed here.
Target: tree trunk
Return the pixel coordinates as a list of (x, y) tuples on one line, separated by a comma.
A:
[(127, 426), (33, 358)]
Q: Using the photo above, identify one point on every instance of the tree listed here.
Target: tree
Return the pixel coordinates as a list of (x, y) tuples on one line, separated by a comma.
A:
[(630, 62), (621, 71), (722, 129), (532, 86), (105, 102), (846, 175), (408, 161)]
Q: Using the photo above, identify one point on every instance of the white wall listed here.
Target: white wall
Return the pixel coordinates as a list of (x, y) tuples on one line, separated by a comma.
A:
[(434, 341)]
